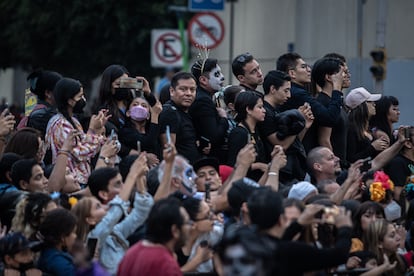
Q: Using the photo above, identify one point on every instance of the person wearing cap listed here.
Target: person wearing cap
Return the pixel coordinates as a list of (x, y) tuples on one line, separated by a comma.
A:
[(17, 256), (303, 191), (207, 170), (360, 140)]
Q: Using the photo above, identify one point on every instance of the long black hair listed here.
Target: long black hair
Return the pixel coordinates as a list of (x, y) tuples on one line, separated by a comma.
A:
[(64, 90)]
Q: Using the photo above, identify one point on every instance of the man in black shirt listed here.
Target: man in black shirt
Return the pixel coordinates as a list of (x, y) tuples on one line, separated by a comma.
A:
[(294, 258), (276, 86), (248, 72), (329, 75), (175, 115), (300, 72)]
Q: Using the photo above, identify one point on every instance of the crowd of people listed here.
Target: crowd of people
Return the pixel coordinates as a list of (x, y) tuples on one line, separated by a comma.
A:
[(283, 173)]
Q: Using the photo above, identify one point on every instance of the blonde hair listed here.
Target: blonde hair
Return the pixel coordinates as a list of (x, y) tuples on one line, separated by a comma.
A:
[(18, 224), (82, 210)]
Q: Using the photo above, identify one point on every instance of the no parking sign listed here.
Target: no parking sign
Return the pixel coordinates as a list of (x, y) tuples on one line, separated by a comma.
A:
[(166, 48), (206, 29)]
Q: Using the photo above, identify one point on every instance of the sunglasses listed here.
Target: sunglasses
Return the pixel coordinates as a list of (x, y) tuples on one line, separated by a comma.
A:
[(244, 57)]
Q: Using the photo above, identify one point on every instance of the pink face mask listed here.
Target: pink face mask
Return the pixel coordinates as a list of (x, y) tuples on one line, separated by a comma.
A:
[(138, 113)]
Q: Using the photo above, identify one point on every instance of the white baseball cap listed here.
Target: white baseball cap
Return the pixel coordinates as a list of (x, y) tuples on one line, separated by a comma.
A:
[(359, 95)]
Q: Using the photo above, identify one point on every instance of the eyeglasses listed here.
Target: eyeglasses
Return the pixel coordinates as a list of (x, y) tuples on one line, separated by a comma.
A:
[(210, 216), (243, 57), (189, 222), (305, 66)]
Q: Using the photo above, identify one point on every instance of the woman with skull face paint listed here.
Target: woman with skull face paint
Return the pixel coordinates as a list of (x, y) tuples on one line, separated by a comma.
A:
[(142, 125), (70, 99)]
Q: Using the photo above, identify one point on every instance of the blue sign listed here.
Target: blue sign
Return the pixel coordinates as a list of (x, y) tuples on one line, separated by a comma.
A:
[(206, 5)]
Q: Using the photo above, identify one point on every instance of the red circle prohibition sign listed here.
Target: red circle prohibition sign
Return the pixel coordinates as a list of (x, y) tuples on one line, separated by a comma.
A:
[(166, 39), (196, 21)]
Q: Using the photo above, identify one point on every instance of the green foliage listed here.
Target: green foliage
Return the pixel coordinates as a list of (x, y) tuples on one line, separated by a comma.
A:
[(80, 38)]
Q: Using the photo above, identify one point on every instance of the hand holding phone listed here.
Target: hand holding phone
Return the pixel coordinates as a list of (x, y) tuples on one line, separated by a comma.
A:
[(204, 142), (366, 165), (407, 133), (132, 83)]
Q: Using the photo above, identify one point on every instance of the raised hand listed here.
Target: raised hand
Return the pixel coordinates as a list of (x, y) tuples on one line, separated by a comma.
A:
[(7, 122)]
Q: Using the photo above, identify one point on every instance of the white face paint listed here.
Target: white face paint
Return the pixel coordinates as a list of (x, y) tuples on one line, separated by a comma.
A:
[(238, 262), (216, 78)]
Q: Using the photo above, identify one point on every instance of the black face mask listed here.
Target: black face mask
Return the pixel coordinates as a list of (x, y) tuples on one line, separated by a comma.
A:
[(78, 108), (122, 94), (26, 266)]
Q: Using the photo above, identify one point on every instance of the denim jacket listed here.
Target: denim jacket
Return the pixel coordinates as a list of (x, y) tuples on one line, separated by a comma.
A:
[(112, 234)]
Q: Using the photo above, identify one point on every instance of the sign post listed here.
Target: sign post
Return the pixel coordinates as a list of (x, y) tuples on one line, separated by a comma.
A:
[(206, 29), (206, 5), (166, 48)]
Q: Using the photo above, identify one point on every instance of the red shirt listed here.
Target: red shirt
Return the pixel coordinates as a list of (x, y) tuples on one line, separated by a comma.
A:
[(141, 259)]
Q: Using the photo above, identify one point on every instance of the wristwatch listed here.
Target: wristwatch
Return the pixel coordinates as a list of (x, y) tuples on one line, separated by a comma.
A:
[(106, 160)]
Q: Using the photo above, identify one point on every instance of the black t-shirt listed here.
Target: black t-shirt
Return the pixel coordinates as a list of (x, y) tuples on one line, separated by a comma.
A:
[(357, 148), (295, 258), (324, 115), (129, 135), (181, 124), (268, 126), (398, 169), (295, 168), (339, 130), (237, 140)]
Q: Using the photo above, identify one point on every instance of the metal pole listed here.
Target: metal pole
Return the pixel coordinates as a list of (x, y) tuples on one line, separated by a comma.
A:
[(380, 37), (181, 28), (231, 41), (358, 74)]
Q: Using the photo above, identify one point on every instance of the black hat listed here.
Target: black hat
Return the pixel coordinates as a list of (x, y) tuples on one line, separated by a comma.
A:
[(14, 243), (240, 192), (206, 161)]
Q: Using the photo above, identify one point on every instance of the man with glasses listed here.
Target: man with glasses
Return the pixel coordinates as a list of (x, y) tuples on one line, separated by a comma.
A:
[(300, 73), (248, 72)]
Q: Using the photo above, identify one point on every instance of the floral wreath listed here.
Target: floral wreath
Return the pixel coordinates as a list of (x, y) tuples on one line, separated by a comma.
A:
[(409, 187), (381, 184)]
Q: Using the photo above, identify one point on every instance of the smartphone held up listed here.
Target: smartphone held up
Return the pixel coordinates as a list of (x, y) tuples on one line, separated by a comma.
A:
[(132, 83)]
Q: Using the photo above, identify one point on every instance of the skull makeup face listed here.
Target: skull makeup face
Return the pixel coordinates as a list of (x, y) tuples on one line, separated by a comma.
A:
[(216, 78)]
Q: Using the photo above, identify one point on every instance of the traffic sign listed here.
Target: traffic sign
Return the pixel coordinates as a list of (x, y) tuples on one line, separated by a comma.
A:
[(206, 5), (206, 29), (166, 48)]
